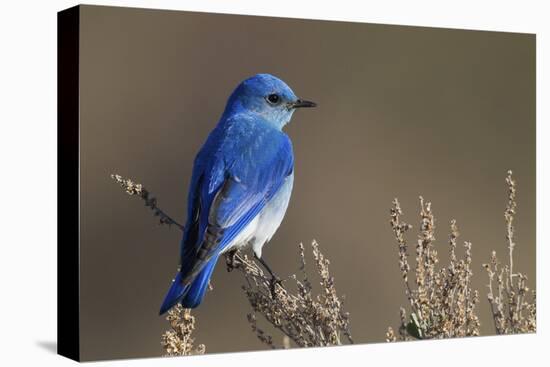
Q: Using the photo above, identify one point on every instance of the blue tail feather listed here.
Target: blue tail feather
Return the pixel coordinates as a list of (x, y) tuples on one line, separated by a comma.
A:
[(190, 295), (175, 294), (194, 295)]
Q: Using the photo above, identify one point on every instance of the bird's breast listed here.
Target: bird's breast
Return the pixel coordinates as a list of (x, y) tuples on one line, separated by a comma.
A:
[(272, 215)]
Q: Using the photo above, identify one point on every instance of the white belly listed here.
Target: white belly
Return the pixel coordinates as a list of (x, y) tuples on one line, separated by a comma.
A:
[(265, 224)]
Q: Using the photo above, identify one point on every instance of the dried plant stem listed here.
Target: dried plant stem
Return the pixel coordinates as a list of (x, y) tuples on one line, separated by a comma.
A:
[(399, 230), (509, 218), (511, 312), (133, 188), (442, 302), (178, 341)]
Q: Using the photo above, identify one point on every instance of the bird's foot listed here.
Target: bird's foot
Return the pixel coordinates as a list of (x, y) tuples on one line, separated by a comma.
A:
[(273, 283), (231, 260)]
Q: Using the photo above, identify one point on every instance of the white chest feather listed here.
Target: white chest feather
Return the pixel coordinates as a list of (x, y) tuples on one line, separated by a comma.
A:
[(265, 224)]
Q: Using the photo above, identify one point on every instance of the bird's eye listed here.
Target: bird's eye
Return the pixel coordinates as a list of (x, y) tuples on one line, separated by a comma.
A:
[(273, 98)]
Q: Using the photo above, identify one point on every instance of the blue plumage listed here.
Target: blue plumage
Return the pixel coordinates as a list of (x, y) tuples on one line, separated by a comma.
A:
[(241, 183)]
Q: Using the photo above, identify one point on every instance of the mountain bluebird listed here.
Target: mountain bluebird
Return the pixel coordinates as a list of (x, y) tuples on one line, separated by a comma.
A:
[(241, 184)]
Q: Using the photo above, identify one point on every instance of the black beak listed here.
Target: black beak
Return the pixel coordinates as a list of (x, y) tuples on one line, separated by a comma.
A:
[(301, 103)]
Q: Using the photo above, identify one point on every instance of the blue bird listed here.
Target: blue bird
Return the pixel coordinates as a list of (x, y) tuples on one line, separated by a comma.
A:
[(241, 184)]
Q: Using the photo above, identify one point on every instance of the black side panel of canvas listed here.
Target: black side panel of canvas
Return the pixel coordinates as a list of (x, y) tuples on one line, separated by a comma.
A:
[(68, 341)]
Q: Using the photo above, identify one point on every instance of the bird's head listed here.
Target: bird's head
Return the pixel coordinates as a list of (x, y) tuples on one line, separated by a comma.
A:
[(267, 96)]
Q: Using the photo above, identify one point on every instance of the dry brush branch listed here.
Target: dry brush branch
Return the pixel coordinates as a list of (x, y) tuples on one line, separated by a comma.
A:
[(133, 188), (442, 303), (178, 341), (512, 309), (302, 316)]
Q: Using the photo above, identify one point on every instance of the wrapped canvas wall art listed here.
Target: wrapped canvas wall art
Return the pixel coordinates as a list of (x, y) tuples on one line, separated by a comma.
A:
[(233, 183)]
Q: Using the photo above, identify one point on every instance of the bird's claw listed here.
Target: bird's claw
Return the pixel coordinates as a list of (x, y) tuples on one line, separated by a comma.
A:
[(275, 280), (231, 260)]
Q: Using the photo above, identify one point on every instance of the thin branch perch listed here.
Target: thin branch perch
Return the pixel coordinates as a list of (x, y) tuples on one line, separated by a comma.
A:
[(133, 188)]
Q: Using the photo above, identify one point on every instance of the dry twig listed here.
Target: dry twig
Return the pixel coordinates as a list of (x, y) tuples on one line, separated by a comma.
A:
[(133, 188), (513, 311), (178, 341)]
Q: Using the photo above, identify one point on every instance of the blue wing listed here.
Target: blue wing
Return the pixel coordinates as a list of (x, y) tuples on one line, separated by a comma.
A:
[(236, 173)]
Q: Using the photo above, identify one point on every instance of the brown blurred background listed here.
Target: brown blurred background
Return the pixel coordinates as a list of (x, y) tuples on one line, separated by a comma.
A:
[(403, 111)]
